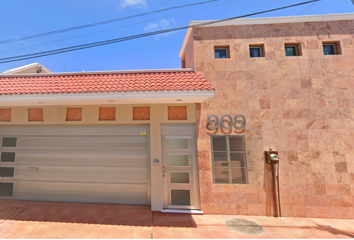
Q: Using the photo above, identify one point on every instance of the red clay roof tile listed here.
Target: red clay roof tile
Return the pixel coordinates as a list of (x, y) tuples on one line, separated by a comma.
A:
[(101, 82)]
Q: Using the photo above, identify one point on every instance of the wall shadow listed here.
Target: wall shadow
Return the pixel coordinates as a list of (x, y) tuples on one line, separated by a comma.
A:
[(90, 213)]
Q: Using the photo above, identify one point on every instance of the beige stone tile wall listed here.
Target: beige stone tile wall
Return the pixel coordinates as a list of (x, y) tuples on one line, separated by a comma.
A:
[(301, 106), (189, 53)]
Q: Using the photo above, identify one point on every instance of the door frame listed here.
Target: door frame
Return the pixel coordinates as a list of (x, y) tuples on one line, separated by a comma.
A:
[(169, 133)]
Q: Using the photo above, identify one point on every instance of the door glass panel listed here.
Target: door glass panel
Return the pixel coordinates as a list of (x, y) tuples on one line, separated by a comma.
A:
[(179, 160), (221, 175), (7, 157), (179, 177), (180, 197), (178, 143)]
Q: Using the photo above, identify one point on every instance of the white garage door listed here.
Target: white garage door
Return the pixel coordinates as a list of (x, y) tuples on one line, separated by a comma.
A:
[(103, 164)]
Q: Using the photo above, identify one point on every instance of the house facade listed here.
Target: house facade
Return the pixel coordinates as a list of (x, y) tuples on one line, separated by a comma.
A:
[(194, 139), (291, 78), (104, 137)]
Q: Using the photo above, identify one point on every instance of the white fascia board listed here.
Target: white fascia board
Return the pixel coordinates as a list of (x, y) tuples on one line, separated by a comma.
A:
[(276, 20), (106, 98)]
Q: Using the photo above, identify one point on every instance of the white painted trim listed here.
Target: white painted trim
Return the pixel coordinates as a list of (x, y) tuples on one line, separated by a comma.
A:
[(287, 19), (74, 96), (182, 211), (106, 98), (178, 137)]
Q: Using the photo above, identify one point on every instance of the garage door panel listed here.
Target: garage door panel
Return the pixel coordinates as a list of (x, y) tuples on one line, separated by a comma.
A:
[(79, 174), (89, 143), (86, 159), (79, 163), (77, 130), (81, 192)]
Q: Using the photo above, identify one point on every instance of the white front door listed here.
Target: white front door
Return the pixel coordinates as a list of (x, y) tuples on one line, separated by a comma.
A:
[(180, 166)]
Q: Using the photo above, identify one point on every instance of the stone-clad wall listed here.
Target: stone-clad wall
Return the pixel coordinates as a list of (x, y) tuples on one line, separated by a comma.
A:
[(302, 106)]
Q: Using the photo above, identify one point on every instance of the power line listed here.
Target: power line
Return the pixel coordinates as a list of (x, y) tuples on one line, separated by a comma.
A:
[(306, 8), (115, 40), (102, 22), (116, 27), (111, 29)]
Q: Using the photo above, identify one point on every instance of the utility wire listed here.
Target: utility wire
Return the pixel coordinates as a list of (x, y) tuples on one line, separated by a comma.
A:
[(306, 8), (122, 39), (111, 29), (117, 27), (17, 39)]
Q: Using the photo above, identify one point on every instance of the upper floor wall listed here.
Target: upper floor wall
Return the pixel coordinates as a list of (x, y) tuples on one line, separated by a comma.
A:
[(308, 34)]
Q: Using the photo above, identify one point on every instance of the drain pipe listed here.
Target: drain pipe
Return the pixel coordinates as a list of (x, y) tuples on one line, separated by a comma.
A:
[(272, 158)]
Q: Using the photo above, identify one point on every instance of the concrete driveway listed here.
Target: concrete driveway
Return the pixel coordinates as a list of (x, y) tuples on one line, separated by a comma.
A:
[(30, 219)]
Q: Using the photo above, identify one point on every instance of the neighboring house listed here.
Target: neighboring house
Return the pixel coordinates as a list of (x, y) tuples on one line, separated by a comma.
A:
[(292, 78), (164, 138), (30, 68)]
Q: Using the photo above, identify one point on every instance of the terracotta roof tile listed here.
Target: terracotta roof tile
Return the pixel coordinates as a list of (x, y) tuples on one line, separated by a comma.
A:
[(112, 82)]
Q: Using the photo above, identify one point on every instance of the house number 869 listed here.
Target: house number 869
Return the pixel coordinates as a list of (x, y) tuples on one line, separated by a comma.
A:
[(238, 120)]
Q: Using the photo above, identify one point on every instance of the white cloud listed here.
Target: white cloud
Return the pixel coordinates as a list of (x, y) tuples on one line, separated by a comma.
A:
[(161, 25), (132, 3)]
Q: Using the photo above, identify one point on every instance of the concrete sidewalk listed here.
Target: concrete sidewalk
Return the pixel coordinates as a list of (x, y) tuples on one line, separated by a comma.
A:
[(29, 219)]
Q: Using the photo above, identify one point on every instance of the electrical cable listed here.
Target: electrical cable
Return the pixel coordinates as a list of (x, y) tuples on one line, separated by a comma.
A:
[(278, 188), (101, 23), (111, 29), (115, 40), (306, 9)]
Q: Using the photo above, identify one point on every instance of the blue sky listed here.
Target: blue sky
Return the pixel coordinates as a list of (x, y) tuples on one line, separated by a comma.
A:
[(21, 18)]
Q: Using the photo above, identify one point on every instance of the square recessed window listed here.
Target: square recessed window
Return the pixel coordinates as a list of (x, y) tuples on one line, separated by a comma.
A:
[(292, 50), (256, 51), (221, 52), (332, 48)]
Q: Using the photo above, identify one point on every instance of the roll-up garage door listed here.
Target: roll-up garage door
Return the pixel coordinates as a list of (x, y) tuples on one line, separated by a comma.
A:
[(97, 163)]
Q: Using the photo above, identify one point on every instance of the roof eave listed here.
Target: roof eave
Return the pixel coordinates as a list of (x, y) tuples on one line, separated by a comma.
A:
[(105, 98)]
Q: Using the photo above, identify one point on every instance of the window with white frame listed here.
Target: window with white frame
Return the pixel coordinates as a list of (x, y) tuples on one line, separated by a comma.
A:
[(229, 159)]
